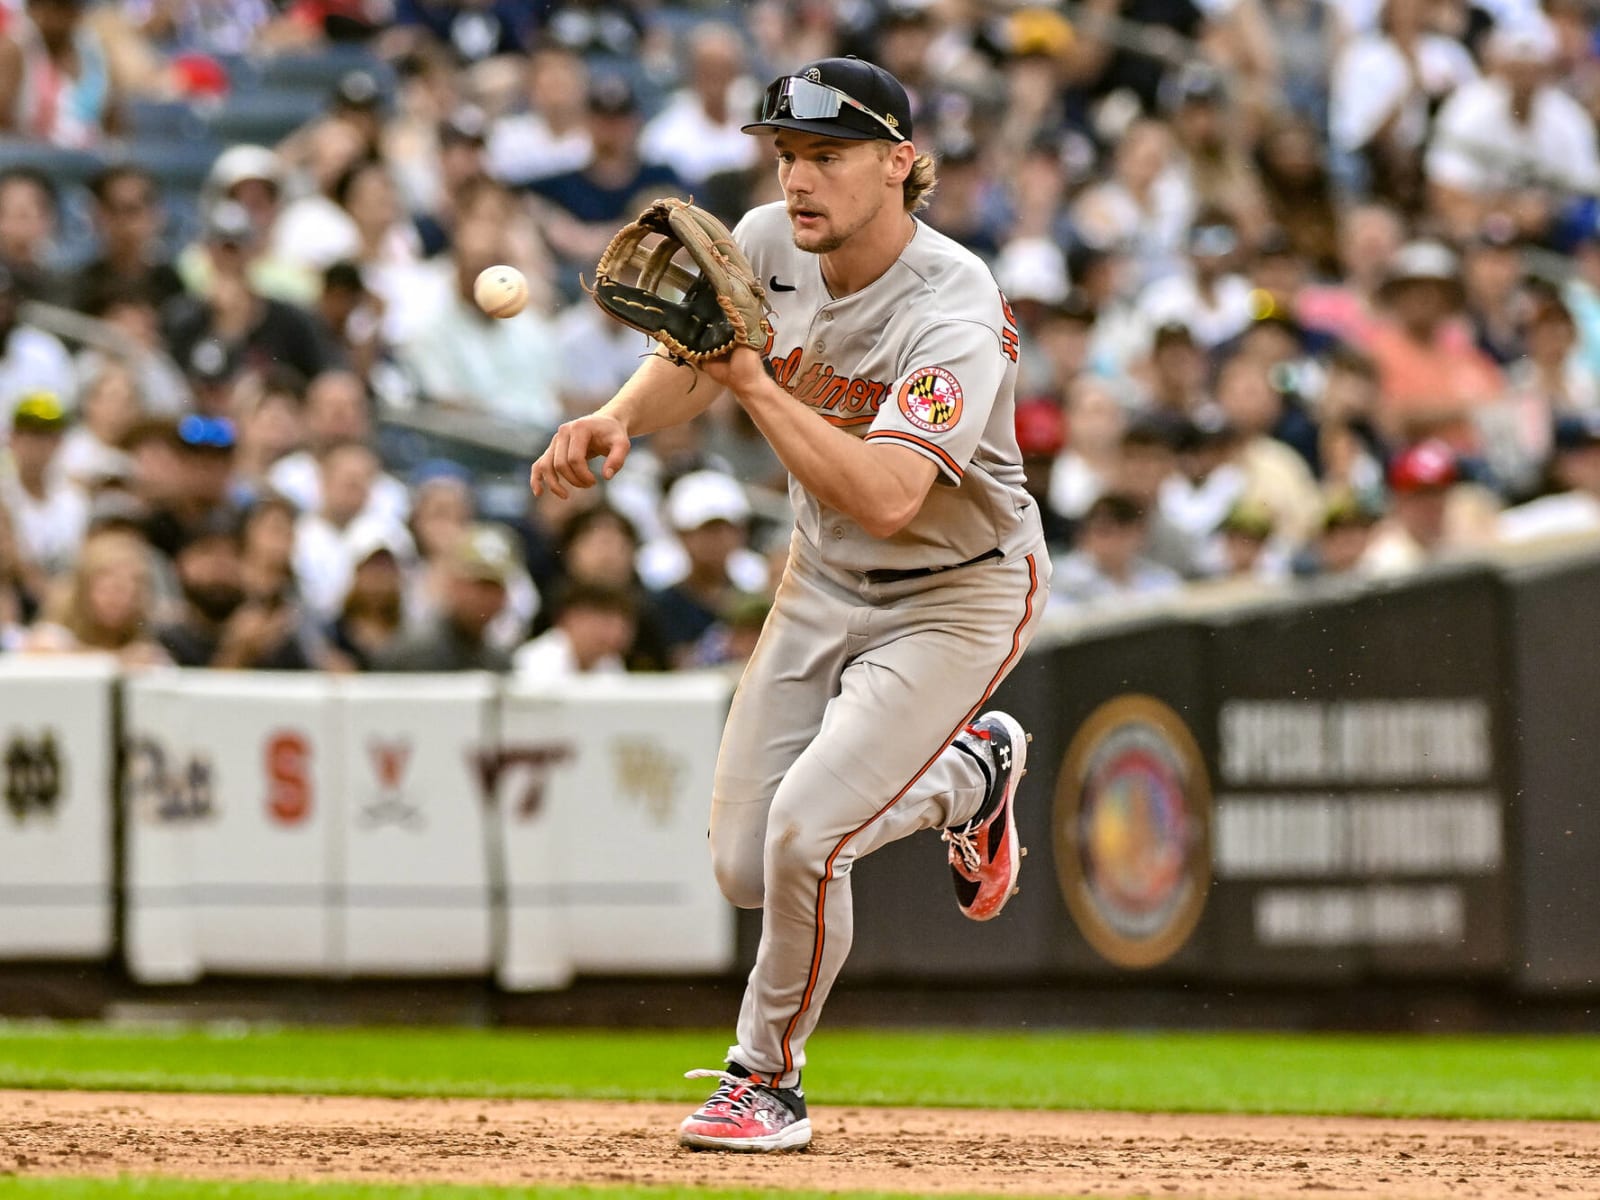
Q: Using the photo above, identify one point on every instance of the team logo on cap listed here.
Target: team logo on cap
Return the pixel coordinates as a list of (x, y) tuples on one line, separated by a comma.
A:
[(814, 75), (931, 399)]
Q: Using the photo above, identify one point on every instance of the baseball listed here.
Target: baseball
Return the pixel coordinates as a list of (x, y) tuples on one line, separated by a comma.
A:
[(501, 291)]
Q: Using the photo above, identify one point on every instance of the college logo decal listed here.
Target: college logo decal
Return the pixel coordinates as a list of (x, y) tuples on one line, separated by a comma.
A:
[(1133, 831), (32, 776), (931, 399)]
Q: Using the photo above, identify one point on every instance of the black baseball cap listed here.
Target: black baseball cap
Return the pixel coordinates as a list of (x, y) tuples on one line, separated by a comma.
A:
[(846, 98)]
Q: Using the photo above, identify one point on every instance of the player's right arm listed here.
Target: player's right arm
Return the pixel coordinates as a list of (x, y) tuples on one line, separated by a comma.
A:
[(660, 393)]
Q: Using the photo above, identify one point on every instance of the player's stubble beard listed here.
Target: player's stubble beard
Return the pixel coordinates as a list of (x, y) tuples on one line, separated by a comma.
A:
[(833, 241)]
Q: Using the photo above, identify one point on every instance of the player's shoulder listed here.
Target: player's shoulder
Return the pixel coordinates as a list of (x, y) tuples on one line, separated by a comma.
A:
[(959, 280)]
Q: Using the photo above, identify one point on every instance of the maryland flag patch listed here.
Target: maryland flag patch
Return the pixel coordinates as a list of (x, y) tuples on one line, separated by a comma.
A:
[(930, 398)]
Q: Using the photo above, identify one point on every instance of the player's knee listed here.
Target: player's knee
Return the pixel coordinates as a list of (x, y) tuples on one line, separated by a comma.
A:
[(738, 877)]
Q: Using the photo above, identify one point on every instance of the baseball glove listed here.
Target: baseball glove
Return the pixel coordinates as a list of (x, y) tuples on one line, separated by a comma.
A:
[(696, 314)]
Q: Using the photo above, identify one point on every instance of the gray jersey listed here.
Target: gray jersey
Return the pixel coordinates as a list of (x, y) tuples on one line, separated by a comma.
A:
[(924, 357)]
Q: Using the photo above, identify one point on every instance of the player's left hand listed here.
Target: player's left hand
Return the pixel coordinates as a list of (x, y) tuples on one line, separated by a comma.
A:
[(739, 371)]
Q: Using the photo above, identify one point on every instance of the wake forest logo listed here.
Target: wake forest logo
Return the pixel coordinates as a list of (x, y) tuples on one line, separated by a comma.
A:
[(1133, 831), (32, 776), (648, 774)]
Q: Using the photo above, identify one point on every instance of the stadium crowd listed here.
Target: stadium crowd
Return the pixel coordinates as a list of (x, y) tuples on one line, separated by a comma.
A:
[(1307, 288)]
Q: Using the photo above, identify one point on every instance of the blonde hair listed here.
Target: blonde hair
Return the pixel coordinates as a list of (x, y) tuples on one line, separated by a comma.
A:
[(106, 551), (920, 181)]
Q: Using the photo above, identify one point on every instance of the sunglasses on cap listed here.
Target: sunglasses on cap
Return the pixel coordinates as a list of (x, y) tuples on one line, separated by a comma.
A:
[(805, 100), (208, 433)]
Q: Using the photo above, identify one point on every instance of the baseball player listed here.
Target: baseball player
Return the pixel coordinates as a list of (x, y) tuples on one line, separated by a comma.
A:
[(916, 575)]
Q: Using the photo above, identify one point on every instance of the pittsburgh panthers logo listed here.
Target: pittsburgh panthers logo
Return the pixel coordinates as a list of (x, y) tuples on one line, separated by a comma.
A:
[(930, 398)]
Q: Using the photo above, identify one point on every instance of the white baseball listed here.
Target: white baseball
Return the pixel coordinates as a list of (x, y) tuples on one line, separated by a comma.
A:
[(501, 291)]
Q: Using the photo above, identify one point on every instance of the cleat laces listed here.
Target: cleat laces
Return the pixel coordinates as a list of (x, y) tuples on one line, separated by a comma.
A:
[(962, 842), (734, 1096)]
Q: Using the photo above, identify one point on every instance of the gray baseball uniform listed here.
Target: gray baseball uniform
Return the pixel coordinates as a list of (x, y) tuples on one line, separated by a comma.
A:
[(878, 650)]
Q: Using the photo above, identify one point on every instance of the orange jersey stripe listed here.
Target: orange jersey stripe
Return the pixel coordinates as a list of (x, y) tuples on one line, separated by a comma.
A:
[(901, 436), (827, 871)]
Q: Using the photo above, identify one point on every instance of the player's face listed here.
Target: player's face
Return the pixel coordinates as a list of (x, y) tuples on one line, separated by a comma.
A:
[(833, 187)]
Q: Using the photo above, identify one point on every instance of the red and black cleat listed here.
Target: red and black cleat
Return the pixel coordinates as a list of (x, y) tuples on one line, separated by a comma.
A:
[(984, 854)]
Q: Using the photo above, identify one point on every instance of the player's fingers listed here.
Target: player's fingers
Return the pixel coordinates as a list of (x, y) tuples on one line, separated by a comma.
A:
[(575, 461), (615, 457)]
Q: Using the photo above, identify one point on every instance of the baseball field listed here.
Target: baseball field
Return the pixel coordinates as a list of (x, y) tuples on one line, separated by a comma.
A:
[(95, 1112)]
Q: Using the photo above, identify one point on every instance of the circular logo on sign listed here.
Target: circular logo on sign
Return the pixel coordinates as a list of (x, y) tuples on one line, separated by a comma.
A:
[(931, 399), (1133, 831)]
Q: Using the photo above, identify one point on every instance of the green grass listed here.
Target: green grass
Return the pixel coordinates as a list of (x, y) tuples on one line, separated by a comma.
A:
[(1510, 1077), (136, 1188)]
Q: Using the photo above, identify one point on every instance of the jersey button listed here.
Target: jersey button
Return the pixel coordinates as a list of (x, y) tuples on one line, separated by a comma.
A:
[(838, 533), (827, 316), (821, 346)]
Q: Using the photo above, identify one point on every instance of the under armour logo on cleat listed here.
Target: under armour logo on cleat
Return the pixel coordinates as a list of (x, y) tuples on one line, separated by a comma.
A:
[(1005, 758)]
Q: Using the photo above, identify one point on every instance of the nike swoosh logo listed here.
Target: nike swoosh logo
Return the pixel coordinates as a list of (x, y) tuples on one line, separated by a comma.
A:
[(781, 287)]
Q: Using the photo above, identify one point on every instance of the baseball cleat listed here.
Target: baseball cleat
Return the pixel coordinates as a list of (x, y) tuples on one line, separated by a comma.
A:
[(984, 855), (746, 1117)]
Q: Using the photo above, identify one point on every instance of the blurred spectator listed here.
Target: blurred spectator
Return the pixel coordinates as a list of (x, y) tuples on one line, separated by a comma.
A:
[(1513, 142), (1211, 142), (214, 26), (710, 516), (324, 537), (732, 640), (386, 247), (56, 83), (504, 367), (593, 627), (1432, 379), (1206, 295), (107, 411), (475, 31), (461, 155), (1384, 86), (1245, 548), (336, 410), (1350, 452), (1091, 460), (1041, 436), (16, 601), (551, 135), (1491, 281), (1109, 563), (596, 27), (372, 616), (106, 605), (253, 177), (967, 204), (256, 330), (1299, 192), (478, 569), (583, 209), (222, 626), (598, 547), (1147, 460), (312, 230), (1416, 530), (131, 312), (1572, 507), (353, 317), (270, 425), (1274, 474), (30, 213), (1208, 484), (1370, 236), (31, 360), (266, 547), (127, 219), (182, 469), (1342, 540), (1104, 65), (49, 514), (697, 135), (1144, 207)]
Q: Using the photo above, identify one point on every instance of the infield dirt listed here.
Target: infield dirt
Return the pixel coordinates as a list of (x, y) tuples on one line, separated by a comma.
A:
[(917, 1151)]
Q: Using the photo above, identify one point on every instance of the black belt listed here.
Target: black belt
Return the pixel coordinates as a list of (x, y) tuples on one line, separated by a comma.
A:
[(920, 572)]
